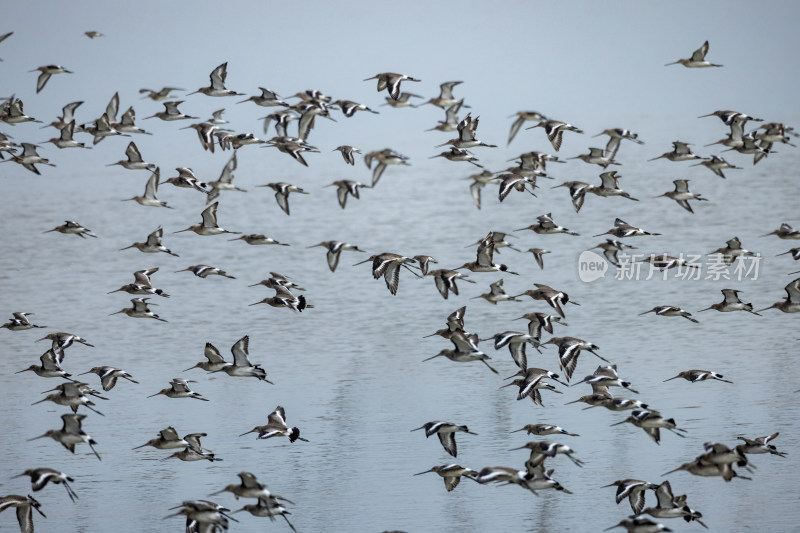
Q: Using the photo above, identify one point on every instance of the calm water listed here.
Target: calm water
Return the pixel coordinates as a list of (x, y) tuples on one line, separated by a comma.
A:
[(349, 372)]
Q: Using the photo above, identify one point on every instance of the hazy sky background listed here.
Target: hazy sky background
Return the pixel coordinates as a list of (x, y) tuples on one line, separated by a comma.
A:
[(592, 64)]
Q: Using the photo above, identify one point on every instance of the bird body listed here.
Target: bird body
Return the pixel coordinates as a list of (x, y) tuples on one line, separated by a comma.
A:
[(276, 427), (698, 59), (217, 85), (446, 432)]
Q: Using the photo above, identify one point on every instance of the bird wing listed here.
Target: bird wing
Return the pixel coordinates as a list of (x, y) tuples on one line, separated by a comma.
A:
[(154, 239), (113, 107), (496, 288), (218, 76), (25, 514), (734, 244), (42, 80), (209, 215), (609, 179), (133, 154), (731, 296), (49, 360), (282, 196), (249, 480), (226, 176), (685, 204), (515, 128), (169, 434), (341, 194), (568, 359), (139, 305), (681, 148), (392, 277), (142, 277), (700, 53), (72, 423), (212, 354), (240, 352), (151, 188), (277, 419), (448, 441), (333, 258), (451, 482), (664, 495), (128, 118), (793, 291)]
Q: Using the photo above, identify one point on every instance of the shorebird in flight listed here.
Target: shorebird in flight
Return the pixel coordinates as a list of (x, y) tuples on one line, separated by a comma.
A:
[(276, 427), (670, 310), (161, 94), (698, 59), (451, 474), (65, 140), (680, 152), (466, 135), (25, 506), (152, 245), (70, 227), (150, 190), (345, 188), (134, 159), (616, 135), (179, 388), (141, 285), (140, 309), (45, 72), (521, 117), (203, 271), (209, 224), (446, 432), (171, 112), (445, 98), (217, 86), (267, 98), (109, 375), (242, 367), (347, 153), (694, 376), (388, 265), (29, 158), (790, 304), (335, 249), (282, 190), (716, 165), (622, 229), (71, 433), (554, 129), (12, 112), (187, 180), (391, 82), (731, 302), (20, 322), (682, 195), (40, 477)]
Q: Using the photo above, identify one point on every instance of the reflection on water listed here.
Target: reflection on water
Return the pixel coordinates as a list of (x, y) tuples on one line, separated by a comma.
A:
[(349, 372)]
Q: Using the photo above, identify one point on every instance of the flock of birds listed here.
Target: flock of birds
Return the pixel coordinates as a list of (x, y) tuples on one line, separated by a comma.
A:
[(206, 516)]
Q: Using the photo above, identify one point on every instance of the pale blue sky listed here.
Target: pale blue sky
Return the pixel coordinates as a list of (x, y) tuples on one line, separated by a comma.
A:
[(592, 64)]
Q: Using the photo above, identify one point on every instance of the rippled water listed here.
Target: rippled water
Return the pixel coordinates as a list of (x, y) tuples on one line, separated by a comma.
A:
[(349, 372)]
